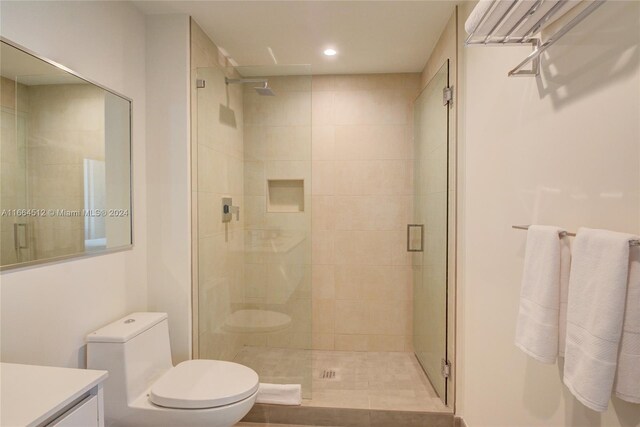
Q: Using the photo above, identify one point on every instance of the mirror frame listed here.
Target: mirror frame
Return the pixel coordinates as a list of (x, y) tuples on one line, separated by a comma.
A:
[(85, 254)]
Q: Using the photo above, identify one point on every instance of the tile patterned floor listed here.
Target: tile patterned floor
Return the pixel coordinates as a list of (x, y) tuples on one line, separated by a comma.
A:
[(363, 380)]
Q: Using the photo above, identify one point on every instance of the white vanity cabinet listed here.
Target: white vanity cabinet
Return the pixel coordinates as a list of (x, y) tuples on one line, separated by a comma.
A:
[(48, 396)]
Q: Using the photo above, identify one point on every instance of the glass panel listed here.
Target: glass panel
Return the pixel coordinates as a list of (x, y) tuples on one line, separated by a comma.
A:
[(65, 160), (430, 209), (254, 268)]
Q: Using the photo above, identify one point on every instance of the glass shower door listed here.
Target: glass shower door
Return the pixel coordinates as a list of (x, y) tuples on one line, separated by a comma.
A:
[(254, 220), (431, 146)]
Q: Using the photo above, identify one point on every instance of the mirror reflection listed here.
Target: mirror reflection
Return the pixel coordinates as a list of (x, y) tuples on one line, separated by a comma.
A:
[(65, 163)]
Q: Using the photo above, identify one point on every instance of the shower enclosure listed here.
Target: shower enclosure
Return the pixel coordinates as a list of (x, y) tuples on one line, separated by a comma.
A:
[(252, 207), (253, 194)]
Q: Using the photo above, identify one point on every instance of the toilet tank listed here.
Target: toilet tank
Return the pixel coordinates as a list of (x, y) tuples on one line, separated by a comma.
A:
[(135, 350)]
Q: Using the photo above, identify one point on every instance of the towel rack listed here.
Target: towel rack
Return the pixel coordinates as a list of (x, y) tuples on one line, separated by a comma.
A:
[(538, 46), (635, 242)]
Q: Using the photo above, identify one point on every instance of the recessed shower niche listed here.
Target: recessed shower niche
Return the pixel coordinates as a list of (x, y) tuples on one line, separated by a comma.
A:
[(285, 195)]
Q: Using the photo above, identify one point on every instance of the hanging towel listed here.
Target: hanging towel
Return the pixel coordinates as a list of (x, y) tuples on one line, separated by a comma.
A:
[(280, 394), (628, 376), (546, 274), (565, 271), (595, 312)]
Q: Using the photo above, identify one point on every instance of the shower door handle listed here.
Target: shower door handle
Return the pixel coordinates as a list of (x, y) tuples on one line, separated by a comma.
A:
[(20, 240), (415, 237)]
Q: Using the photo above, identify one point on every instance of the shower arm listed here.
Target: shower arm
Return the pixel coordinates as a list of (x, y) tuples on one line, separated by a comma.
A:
[(242, 81)]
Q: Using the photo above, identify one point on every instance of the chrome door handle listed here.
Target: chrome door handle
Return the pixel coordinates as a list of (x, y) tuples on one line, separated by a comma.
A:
[(20, 240), (415, 237)]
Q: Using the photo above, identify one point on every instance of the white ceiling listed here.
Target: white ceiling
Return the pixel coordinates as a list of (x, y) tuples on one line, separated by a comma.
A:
[(370, 36)]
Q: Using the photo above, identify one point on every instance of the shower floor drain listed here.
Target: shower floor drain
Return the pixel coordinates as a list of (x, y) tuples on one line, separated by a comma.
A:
[(328, 374)]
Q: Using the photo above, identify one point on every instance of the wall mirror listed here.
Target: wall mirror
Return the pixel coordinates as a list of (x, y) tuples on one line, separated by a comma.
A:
[(65, 163)]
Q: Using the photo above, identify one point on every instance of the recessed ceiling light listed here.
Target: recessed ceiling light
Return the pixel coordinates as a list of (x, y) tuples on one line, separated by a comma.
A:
[(330, 52)]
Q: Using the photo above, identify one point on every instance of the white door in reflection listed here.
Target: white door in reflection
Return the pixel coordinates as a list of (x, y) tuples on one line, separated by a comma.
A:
[(95, 203)]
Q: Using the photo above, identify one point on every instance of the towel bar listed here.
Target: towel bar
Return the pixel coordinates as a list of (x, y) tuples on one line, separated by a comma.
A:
[(566, 233), (509, 39)]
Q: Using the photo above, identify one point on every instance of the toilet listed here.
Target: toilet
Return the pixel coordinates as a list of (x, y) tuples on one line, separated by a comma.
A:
[(145, 389)]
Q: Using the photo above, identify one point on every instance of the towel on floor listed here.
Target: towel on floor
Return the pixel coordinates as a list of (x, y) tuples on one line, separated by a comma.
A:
[(595, 312), (627, 385), (546, 267), (280, 394)]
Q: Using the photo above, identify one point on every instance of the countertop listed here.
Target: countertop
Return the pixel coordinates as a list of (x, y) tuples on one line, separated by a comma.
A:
[(30, 394)]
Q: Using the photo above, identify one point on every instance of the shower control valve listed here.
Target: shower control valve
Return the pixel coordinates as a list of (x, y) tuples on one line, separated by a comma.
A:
[(228, 210)]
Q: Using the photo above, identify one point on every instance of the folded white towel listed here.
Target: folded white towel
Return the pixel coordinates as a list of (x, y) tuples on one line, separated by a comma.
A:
[(628, 376), (597, 293), (280, 394), (546, 267)]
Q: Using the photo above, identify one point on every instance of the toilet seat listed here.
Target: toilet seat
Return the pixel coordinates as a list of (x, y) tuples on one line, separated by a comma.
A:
[(198, 384)]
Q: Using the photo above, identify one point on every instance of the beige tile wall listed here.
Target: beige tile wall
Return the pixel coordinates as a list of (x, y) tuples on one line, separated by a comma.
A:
[(60, 126), (12, 166), (362, 190), (277, 132), (360, 194), (65, 126)]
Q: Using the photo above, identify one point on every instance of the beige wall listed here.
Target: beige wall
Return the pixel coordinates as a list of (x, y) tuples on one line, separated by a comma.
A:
[(362, 200), (217, 171), (56, 128), (65, 124), (561, 149), (277, 270), (13, 193)]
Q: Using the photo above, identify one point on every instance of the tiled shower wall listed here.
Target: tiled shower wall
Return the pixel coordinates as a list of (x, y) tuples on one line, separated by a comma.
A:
[(14, 105), (361, 201), (362, 190), (277, 141), (66, 125), (56, 126)]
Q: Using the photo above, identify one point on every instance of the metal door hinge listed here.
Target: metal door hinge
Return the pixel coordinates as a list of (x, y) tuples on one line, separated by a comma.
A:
[(447, 95), (200, 83), (445, 368)]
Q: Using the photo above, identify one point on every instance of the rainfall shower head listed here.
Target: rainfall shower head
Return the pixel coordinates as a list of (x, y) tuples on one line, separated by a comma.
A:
[(263, 90)]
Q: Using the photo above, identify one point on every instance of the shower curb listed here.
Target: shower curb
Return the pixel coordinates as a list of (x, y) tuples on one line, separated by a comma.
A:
[(345, 417)]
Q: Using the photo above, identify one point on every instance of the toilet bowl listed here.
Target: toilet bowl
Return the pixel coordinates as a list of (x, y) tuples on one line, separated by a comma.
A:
[(145, 389)]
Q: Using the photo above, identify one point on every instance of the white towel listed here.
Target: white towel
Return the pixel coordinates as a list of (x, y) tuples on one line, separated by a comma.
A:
[(597, 293), (279, 394), (544, 281), (628, 376)]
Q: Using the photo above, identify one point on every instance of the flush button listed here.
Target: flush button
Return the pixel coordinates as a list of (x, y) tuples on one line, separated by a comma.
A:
[(129, 320)]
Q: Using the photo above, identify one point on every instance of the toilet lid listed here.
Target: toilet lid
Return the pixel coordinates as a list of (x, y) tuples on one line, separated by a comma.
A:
[(204, 384)]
